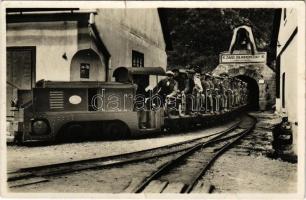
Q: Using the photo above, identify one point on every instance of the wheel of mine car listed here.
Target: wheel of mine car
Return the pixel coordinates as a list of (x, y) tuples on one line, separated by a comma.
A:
[(116, 130), (74, 132)]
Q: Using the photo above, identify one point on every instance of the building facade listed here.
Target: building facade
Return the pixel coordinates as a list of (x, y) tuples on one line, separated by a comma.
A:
[(80, 45), (287, 68)]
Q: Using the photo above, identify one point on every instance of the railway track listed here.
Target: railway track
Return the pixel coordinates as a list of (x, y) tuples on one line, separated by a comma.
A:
[(181, 174), (38, 174)]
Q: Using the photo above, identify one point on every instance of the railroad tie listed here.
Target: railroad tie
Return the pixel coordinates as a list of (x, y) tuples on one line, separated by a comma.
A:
[(203, 188), (30, 181), (155, 186), (133, 185), (174, 187)]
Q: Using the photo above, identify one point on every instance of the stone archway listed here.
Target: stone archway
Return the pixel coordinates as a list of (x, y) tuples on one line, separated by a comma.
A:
[(242, 60), (252, 73), (86, 65)]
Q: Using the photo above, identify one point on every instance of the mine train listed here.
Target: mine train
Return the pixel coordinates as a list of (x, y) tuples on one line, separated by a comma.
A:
[(56, 110)]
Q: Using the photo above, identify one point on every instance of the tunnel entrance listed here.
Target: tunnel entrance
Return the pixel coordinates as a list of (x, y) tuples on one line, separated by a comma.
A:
[(253, 92)]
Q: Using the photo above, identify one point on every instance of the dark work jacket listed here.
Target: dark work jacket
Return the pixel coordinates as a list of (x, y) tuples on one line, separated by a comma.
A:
[(181, 83), (205, 85), (163, 88), (189, 86), (221, 88)]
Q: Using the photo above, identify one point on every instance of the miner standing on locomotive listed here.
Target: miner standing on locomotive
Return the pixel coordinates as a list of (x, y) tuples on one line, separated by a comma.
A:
[(166, 88), (180, 78), (183, 87)]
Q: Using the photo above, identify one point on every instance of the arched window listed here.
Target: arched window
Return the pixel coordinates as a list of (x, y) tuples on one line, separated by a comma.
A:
[(87, 65)]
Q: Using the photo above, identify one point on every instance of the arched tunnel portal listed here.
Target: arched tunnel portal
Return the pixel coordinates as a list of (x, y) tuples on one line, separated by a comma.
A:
[(260, 79), (253, 92)]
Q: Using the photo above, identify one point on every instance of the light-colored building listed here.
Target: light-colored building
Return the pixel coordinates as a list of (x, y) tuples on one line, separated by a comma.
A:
[(287, 68), (80, 45)]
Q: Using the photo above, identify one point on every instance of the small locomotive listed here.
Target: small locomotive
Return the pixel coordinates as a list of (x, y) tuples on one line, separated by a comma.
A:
[(58, 110), (77, 109)]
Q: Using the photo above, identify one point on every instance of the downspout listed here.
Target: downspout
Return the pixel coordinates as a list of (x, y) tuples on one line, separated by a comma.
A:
[(93, 29)]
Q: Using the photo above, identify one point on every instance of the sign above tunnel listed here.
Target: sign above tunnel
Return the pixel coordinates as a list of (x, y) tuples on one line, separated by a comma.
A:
[(259, 57), (243, 48)]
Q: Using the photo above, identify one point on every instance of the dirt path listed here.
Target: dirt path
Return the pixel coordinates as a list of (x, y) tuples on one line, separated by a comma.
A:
[(247, 168)]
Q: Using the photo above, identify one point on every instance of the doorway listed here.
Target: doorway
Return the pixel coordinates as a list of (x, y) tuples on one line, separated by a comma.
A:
[(20, 75)]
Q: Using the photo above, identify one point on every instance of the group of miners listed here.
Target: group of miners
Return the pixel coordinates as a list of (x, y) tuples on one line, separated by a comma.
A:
[(190, 91)]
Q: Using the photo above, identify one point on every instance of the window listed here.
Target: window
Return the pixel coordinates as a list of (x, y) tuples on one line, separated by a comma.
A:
[(283, 90), (137, 59), (84, 70)]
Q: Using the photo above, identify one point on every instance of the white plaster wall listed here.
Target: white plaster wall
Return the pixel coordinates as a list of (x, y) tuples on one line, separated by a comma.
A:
[(124, 30), (52, 40), (287, 27), (289, 66)]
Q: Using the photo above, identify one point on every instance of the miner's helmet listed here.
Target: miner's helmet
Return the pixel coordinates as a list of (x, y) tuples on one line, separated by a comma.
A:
[(197, 69), (208, 74), (190, 71), (169, 73), (175, 71), (224, 75), (183, 71)]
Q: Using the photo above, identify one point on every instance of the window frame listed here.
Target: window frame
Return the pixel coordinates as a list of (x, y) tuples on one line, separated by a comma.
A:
[(137, 59), (88, 73)]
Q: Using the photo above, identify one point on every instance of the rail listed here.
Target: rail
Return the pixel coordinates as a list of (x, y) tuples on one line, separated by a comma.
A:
[(175, 162)]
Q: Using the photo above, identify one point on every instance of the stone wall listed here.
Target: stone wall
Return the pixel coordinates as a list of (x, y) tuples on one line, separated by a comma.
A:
[(263, 75)]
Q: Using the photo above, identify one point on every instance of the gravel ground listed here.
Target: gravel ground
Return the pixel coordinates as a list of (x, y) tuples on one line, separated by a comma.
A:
[(25, 156), (246, 168), (113, 180)]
